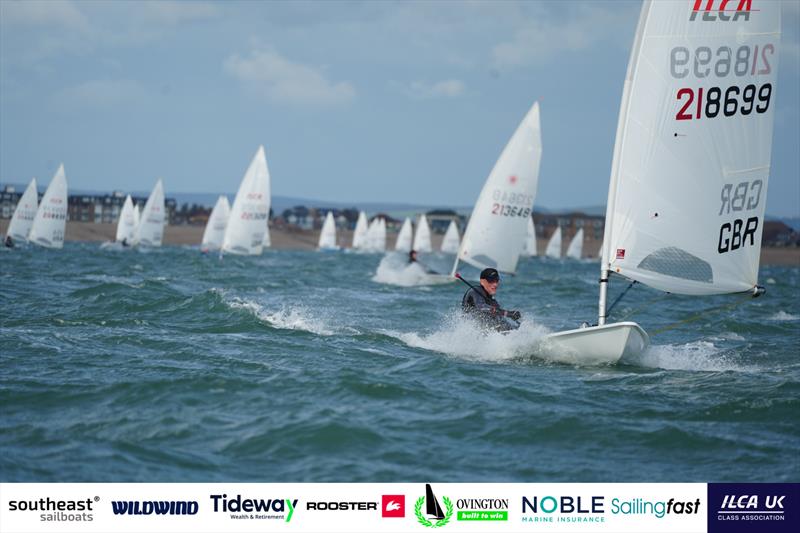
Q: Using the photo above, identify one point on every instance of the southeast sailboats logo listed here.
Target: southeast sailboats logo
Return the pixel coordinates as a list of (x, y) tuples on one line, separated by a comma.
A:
[(433, 509)]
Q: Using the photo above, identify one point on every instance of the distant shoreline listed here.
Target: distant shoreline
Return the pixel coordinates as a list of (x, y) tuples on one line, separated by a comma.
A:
[(298, 239)]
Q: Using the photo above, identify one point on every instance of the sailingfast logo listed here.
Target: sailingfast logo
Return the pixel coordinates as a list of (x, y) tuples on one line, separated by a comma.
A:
[(722, 10), (57, 510), (150, 507), (254, 508), (433, 516)]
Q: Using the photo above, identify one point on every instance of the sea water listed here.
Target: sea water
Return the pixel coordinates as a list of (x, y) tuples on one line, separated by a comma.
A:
[(170, 365)]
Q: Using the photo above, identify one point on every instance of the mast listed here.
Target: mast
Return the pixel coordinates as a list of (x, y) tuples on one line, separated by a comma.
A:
[(605, 262)]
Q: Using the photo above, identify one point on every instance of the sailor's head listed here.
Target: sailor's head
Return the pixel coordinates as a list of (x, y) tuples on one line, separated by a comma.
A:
[(412, 255), (490, 279)]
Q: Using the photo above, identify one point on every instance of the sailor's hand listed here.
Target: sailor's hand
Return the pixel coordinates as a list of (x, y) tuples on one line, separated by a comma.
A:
[(514, 315)]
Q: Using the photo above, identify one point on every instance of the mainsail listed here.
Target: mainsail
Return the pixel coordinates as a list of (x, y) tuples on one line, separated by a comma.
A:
[(327, 237), (530, 240), (126, 224), (151, 225), (214, 234), (51, 217), (496, 231), (422, 238), (248, 217), (24, 213), (575, 248), (403, 243), (360, 232), (451, 239), (554, 244)]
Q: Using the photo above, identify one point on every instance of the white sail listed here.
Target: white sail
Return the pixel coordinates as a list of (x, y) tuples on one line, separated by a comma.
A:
[(451, 239), (150, 230), (422, 238), (403, 242), (380, 236), (554, 244), (360, 233), (267, 241), (214, 233), (51, 217), (137, 217), (575, 248), (327, 237), (24, 213), (248, 217), (530, 240), (126, 224), (496, 231), (692, 156)]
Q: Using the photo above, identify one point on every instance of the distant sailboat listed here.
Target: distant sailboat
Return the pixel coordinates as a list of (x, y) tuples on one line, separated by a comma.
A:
[(50, 221), (688, 181), (422, 238), (21, 221), (126, 224), (150, 230), (575, 248), (451, 239), (403, 242), (214, 234), (327, 236), (554, 244), (247, 222), (360, 232), (267, 241), (530, 240), (380, 235), (137, 217)]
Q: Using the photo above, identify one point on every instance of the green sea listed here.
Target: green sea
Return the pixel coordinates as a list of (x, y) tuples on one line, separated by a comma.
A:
[(170, 365)]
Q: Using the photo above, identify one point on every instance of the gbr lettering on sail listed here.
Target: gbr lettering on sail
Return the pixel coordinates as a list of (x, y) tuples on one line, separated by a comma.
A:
[(726, 81)]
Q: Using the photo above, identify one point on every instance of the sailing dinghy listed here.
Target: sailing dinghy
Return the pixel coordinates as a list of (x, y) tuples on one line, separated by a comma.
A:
[(360, 232), (50, 221), (247, 222), (24, 213), (691, 162), (422, 238), (530, 240), (451, 239), (327, 237), (403, 242), (214, 234), (553, 249), (150, 230), (575, 248)]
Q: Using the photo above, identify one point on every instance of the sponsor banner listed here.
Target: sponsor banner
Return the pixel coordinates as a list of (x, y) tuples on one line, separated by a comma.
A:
[(753, 507), (356, 507)]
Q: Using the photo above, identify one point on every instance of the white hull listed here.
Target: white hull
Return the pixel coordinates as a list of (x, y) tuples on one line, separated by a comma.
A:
[(598, 344)]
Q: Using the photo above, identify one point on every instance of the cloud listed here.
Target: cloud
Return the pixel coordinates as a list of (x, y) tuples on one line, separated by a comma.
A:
[(269, 74), (99, 94), (541, 38), (63, 14), (441, 89)]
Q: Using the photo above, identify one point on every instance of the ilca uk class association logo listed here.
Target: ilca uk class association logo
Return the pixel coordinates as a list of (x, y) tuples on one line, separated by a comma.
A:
[(433, 516)]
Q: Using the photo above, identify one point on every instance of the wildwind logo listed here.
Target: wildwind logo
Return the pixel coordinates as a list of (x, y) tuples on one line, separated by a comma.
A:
[(155, 507), (433, 509)]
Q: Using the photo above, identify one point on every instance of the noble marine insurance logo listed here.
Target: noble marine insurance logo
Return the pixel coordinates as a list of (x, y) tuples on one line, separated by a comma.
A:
[(563, 509), (434, 516), (57, 510), (749, 507)]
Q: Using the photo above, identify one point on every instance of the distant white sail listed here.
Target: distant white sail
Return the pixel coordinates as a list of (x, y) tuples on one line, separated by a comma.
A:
[(51, 217), (422, 238), (497, 228), (267, 242), (24, 213), (214, 234), (451, 239), (150, 230), (575, 248), (126, 224), (530, 240), (554, 245), (403, 242), (137, 217), (327, 237), (380, 239), (360, 233), (250, 211)]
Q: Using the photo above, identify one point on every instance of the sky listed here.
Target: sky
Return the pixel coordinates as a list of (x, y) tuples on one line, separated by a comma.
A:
[(375, 101)]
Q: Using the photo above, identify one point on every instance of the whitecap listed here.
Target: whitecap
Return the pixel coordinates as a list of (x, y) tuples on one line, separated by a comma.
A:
[(783, 316), (395, 270), (288, 317), (701, 356)]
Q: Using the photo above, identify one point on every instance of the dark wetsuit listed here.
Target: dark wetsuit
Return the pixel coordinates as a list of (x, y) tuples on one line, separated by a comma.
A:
[(480, 305), (9, 242)]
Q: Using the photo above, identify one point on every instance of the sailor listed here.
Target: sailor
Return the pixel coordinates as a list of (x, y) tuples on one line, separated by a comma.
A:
[(9, 242), (479, 303), (412, 256)]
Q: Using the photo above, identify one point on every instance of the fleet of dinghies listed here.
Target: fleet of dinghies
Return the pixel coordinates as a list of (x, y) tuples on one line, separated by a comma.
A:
[(672, 221)]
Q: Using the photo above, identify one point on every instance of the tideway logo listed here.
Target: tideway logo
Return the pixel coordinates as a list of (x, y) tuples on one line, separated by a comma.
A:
[(434, 516), (254, 509), (57, 510), (160, 507)]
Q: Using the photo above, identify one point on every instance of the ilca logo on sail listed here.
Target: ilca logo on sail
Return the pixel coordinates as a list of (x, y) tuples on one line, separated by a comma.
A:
[(434, 516)]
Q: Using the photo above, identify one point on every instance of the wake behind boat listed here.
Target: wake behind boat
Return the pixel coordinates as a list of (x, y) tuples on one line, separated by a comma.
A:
[(688, 181)]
